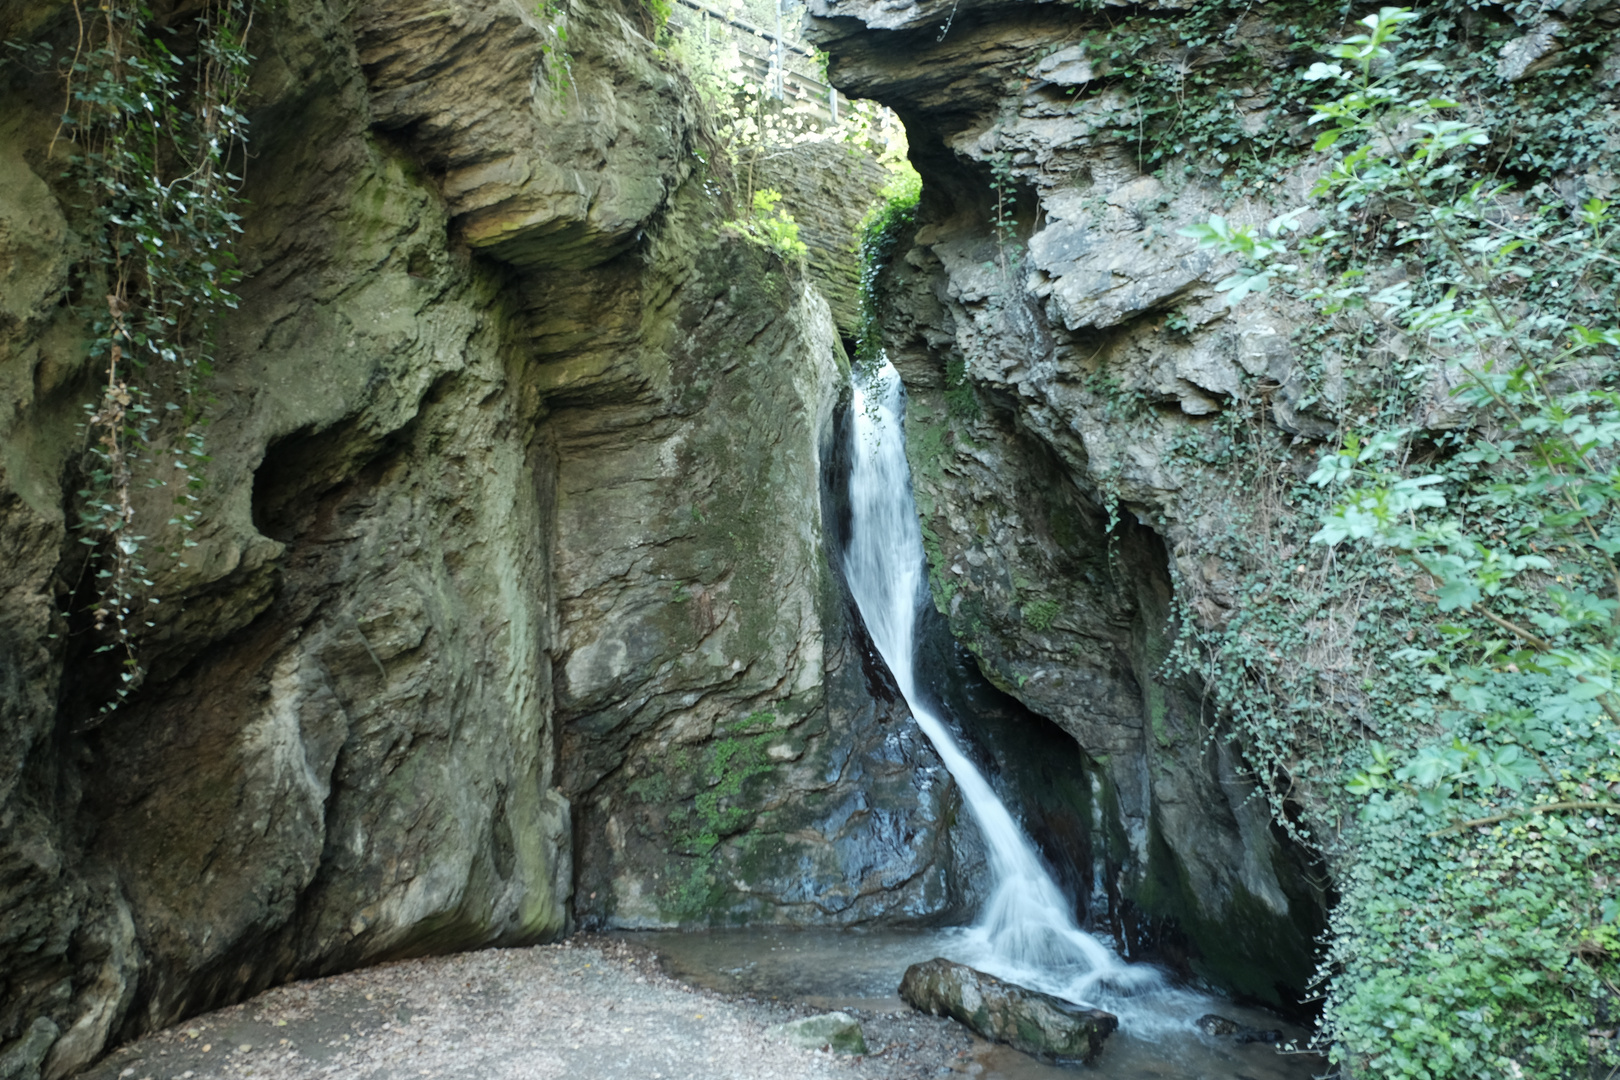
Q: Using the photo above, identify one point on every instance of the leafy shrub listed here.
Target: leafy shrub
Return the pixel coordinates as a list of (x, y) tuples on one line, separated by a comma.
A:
[(772, 227), (1477, 934)]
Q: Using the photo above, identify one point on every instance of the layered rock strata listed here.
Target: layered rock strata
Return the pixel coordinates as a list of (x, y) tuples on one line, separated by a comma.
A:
[(828, 186), (512, 516)]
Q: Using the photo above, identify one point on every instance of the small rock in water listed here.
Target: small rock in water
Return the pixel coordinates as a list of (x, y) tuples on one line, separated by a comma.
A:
[(1024, 1019), (1210, 1024), (838, 1030)]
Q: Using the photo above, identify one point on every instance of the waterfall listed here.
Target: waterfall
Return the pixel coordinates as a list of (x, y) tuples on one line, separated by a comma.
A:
[(1026, 932)]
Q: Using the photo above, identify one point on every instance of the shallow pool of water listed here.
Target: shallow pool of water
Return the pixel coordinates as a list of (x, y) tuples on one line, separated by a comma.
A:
[(861, 969)]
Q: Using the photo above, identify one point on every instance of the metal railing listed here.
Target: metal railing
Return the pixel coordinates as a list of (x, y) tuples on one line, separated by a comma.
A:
[(764, 54)]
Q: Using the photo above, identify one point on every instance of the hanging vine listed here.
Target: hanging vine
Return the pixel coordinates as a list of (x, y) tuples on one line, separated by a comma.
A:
[(153, 114)]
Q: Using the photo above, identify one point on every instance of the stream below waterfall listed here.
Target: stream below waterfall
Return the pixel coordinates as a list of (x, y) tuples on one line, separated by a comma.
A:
[(858, 971)]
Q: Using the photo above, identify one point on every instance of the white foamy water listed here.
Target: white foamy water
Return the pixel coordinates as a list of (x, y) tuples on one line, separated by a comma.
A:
[(1026, 933)]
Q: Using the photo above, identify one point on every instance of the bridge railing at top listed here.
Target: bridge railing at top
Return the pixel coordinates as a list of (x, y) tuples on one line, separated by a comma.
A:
[(766, 55), (747, 27)]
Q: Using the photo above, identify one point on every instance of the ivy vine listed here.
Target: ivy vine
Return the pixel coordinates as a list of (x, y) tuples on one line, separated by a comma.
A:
[(1198, 80), (154, 117), (1435, 684)]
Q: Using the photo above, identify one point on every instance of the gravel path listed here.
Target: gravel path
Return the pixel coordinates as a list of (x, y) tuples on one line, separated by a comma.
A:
[(593, 1009)]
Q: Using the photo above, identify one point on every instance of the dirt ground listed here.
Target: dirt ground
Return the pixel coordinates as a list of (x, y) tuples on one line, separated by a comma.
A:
[(588, 1008)]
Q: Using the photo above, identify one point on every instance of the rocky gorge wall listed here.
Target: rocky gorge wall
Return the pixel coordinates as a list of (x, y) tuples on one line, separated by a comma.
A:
[(830, 186), (509, 572), (514, 605), (1027, 313), (1105, 452)]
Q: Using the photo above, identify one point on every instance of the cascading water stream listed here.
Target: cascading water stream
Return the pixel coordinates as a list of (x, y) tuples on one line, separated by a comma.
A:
[(1026, 932)]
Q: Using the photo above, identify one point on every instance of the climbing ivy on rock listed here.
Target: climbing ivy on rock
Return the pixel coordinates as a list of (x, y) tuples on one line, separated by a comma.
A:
[(1478, 820), (153, 113), (1213, 89), (895, 211)]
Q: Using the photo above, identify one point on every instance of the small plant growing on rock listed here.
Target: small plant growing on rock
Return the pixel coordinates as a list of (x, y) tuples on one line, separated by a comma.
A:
[(771, 226), (1038, 615), (556, 61)]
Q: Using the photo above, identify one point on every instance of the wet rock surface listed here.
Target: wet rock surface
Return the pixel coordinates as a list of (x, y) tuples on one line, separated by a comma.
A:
[(1220, 1026), (771, 773), (1025, 1019), (837, 1031)]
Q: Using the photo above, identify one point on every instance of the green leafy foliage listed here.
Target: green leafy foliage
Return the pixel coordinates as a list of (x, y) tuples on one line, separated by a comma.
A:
[(748, 123), (1258, 270), (751, 124), (660, 11), (1038, 615), (961, 402), (557, 63), (894, 212), (1003, 213), (1480, 837), (1188, 84), (771, 226), (736, 757), (155, 127), (1187, 75)]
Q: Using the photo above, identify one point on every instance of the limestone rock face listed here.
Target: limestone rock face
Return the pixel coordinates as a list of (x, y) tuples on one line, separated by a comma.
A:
[(514, 500), (1025, 1019), (565, 173), (719, 736), (1053, 366)]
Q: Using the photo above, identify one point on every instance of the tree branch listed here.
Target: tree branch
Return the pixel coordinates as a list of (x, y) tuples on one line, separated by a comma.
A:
[(1549, 808)]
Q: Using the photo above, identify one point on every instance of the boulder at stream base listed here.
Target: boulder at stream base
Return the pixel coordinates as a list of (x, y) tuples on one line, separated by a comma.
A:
[(840, 1031), (1025, 1019)]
